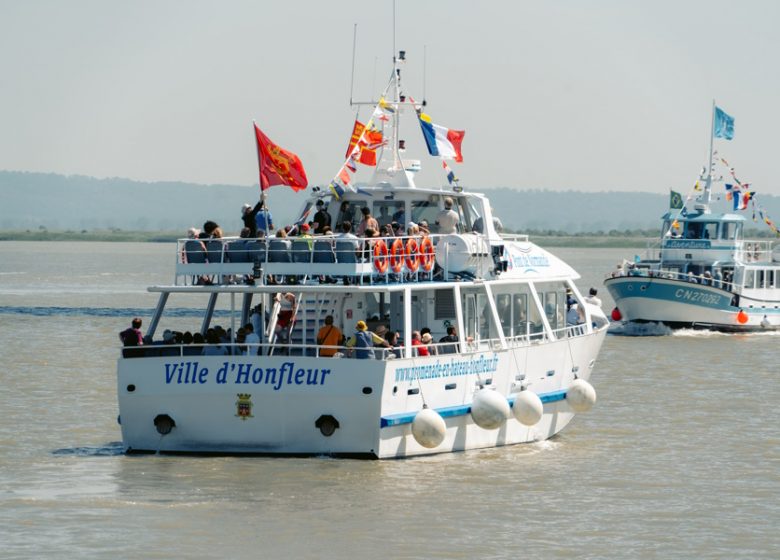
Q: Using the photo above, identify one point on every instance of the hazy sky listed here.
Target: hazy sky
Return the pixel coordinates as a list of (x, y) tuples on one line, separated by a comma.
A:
[(590, 95)]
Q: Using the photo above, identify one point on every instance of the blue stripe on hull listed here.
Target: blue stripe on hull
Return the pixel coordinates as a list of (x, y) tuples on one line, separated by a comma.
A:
[(450, 411)]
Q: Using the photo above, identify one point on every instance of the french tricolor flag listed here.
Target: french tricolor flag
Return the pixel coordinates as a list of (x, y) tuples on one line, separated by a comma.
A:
[(442, 142)]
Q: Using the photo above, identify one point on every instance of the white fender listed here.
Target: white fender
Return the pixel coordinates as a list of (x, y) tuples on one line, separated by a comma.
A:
[(581, 395), (489, 410), (528, 408), (428, 428)]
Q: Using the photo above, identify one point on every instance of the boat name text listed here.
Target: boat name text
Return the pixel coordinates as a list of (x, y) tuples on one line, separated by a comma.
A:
[(190, 373), (693, 297), (687, 244), (452, 368)]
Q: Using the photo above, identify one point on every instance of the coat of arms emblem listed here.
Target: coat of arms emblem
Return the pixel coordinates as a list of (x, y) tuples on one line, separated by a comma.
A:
[(244, 406)]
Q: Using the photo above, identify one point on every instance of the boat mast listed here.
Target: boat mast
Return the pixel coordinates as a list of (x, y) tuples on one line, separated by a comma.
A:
[(706, 196)]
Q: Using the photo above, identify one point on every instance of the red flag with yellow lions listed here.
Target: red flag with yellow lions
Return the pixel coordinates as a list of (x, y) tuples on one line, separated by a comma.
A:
[(370, 142), (277, 165)]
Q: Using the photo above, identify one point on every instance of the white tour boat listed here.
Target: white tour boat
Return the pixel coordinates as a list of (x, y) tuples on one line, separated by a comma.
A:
[(514, 370), (702, 273)]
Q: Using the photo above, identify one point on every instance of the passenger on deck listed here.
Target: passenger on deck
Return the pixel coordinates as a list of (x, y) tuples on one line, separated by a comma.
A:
[(427, 340), (284, 321), (572, 316), (692, 278), (368, 221), (592, 298), (209, 227), (418, 347), (450, 342), (132, 335), (718, 279), (706, 278), (252, 339), (363, 341), (214, 348), (249, 217), (329, 337), (447, 219), (345, 214), (321, 218), (263, 220)]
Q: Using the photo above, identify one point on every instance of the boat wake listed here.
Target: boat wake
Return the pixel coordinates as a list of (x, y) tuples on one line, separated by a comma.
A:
[(111, 449), (639, 329)]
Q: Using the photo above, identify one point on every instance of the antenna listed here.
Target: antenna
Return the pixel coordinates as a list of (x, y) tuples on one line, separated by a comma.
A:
[(425, 61), (393, 30), (352, 80)]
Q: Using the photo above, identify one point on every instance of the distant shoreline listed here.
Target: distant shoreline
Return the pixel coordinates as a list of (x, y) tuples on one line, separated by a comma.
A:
[(581, 240)]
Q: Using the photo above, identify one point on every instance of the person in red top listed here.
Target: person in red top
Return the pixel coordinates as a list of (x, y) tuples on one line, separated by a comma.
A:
[(419, 348)]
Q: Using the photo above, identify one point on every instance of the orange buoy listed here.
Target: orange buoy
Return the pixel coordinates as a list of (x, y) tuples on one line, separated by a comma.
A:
[(412, 255), (742, 317), (396, 255), (427, 254), (380, 256)]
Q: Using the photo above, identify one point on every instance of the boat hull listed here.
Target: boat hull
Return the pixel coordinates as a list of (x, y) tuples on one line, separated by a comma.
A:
[(275, 405), (681, 304)]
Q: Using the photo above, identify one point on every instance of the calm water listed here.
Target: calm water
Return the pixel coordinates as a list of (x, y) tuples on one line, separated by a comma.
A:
[(679, 459)]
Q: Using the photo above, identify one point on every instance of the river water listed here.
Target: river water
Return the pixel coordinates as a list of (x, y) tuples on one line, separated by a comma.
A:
[(680, 458)]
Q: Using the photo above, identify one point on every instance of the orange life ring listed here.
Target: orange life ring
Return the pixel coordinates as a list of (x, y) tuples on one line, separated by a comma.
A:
[(427, 254), (380, 256), (396, 255), (412, 255)]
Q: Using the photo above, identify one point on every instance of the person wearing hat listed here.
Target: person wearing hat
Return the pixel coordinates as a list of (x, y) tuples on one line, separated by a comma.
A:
[(248, 216), (363, 341), (321, 218), (368, 221)]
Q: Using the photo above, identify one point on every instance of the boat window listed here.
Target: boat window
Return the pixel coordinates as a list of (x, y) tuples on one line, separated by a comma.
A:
[(469, 214), (770, 278), (425, 210), (728, 230), (750, 278), (554, 301), (512, 306), (386, 211), (692, 230), (349, 211), (710, 230), (478, 317)]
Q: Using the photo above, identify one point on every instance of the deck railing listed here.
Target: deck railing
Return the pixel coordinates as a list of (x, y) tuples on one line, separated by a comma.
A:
[(321, 258)]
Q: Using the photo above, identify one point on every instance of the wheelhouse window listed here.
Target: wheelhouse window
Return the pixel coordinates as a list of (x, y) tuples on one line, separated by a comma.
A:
[(710, 230), (730, 230), (388, 211)]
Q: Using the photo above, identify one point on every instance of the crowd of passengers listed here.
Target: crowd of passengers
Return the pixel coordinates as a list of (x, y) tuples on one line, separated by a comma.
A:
[(322, 242), (331, 342)]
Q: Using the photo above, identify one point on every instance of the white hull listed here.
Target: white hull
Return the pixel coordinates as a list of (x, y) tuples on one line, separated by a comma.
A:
[(373, 401)]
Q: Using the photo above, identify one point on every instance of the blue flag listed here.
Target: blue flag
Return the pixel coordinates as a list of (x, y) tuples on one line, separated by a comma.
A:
[(724, 124)]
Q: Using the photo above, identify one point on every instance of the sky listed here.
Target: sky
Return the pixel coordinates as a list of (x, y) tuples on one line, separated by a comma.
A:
[(559, 94)]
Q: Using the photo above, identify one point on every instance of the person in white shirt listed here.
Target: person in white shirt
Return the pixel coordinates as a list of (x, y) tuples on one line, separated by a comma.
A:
[(591, 297), (251, 339), (447, 219)]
